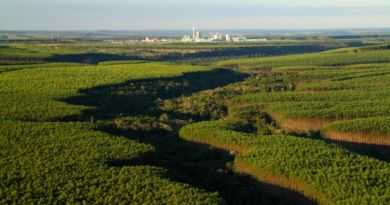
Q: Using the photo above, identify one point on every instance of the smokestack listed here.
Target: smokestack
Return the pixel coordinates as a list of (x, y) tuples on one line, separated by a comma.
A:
[(193, 34)]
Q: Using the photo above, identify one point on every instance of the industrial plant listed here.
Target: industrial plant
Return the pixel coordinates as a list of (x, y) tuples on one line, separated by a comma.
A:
[(198, 37)]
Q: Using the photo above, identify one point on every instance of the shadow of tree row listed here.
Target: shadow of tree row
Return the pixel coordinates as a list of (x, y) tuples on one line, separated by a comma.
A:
[(198, 165), (201, 57), (380, 152), (249, 51), (138, 97), (252, 51), (91, 58)]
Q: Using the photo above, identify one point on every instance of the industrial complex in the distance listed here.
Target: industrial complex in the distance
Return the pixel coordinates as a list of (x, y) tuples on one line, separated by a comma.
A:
[(198, 37)]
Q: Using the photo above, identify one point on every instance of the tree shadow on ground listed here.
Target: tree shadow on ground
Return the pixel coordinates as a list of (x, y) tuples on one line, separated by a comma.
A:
[(195, 164), (138, 97), (90, 58), (257, 51), (205, 167), (380, 152), (254, 51)]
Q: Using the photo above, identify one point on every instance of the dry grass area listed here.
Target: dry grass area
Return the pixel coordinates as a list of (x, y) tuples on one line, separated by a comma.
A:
[(254, 70), (314, 125), (300, 125), (364, 138), (305, 125)]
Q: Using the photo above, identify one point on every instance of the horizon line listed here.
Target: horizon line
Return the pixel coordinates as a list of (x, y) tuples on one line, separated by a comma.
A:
[(199, 28)]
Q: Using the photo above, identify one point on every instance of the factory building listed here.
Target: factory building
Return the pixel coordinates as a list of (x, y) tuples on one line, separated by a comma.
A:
[(198, 37), (215, 37), (227, 38)]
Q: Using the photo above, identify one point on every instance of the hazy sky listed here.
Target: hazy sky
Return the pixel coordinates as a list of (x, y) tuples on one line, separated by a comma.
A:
[(183, 14)]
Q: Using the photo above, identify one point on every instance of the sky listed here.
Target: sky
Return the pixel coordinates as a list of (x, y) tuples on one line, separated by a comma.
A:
[(183, 14)]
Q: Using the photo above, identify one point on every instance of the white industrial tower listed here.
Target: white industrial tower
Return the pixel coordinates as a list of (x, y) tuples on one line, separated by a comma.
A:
[(193, 33)]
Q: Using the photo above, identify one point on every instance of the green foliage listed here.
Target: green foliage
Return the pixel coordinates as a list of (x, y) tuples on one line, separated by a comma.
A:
[(361, 83), (33, 94), (131, 110), (67, 163), (317, 59), (6, 68), (128, 51), (213, 103), (378, 125), (145, 123), (338, 175), (370, 98), (342, 94), (355, 98), (120, 62), (48, 162)]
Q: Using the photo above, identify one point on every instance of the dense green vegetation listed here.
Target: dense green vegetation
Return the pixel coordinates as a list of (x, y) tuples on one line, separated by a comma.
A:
[(67, 163), (378, 125), (33, 94), (5, 68), (93, 53), (44, 161), (317, 97), (330, 174), (342, 93), (317, 59), (103, 124), (328, 93)]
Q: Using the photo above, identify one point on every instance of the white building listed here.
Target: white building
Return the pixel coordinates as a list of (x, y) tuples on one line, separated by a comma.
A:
[(193, 34), (187, 39), (227, 38), (239, 39), (153, 40), (257, 40), (214, 37)]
